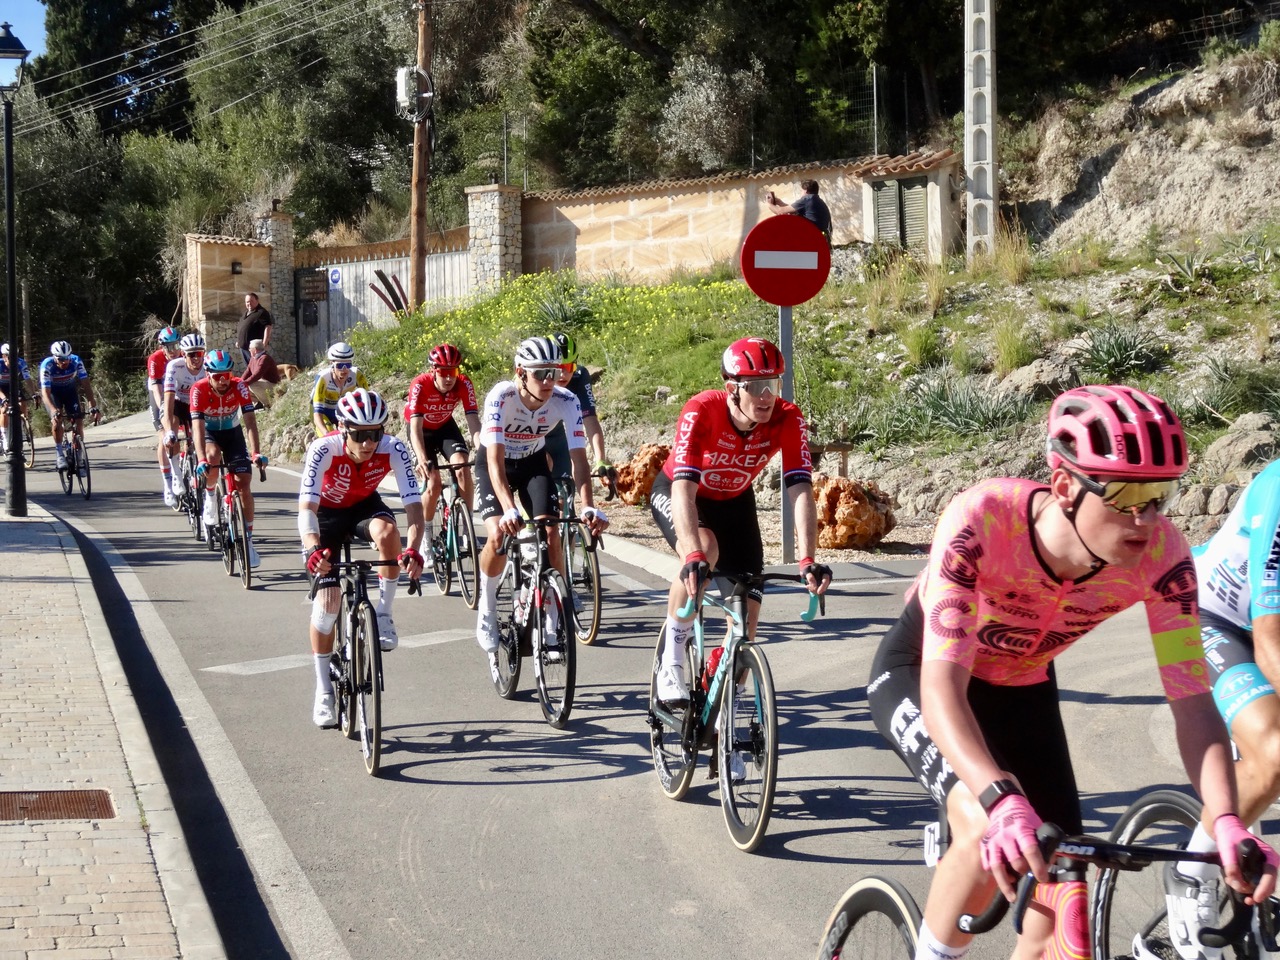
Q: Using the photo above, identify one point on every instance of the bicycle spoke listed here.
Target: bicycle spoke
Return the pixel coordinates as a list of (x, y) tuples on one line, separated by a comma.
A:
[(876, 919)]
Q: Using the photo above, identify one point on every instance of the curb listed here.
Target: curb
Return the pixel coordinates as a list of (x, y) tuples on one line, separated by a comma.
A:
[(663, 565), (193, 922)]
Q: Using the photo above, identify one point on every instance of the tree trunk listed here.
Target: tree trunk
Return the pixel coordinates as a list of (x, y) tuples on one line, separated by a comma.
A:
[(929, 81)]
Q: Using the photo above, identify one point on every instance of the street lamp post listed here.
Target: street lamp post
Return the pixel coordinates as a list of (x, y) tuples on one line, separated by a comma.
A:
[(13, 57)]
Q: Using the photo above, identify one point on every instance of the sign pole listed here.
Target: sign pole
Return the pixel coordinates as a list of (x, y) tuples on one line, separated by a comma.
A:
[(789, 394)]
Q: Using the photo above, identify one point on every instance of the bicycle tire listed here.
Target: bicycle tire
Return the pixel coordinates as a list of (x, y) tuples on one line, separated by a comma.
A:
[(748, 728), (877, 918), (84, 473), (675, 756), (342, 653), (440, 569), (28, 442), (1125, 905), (466, 552), (240, 537), (555, 660), (228, 529), (582, 568), (368, 687), (508, 636), (194, 515), (65, 472)]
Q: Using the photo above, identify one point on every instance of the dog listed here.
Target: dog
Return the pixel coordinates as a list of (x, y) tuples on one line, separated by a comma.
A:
[(288, 370)]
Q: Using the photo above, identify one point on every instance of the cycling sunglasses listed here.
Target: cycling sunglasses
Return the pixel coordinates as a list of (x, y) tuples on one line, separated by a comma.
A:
[(447, 371), (220, 377), (372, 435), (1124, 496), (342, 366), (545, 374), (194, 354), (758, 388)]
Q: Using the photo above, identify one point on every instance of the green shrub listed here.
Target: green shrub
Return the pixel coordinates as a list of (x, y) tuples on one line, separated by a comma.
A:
[(1269, 40), (1016, 344), (967, 407), (1116, 352), (923, 344)]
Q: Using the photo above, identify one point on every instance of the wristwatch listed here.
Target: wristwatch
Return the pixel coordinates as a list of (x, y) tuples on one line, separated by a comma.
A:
[(996, 791)]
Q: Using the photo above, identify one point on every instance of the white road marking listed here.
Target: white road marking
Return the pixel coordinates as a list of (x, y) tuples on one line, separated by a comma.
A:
[(249, 668), (786, 260)]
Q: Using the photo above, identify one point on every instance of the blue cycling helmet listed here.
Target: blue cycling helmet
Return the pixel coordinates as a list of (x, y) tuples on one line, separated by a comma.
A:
[(219, 361), (167, 336)]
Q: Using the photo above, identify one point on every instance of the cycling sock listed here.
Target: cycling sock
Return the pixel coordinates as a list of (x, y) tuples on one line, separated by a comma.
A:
[(324, 684), (386, 593), (488, 593), (677, 637), (167, 476), (175, 464), (1201, 842), (929, 947)]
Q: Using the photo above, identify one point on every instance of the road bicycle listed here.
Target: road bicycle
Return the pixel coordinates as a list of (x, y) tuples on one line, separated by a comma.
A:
[(455, 544), (534, 622), (1129, 912), (581, 567), (77, 471), (355, 665), (877, 919), (28, 435), (230, 534), (731, 711)]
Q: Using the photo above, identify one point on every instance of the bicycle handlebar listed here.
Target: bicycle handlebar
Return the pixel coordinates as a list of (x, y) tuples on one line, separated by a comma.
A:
[(364, 566), (749, 580), (451, 467)]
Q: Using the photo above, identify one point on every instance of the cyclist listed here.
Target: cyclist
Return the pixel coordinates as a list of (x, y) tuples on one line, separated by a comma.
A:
[(1238, 571), (576, 380), (340, 377), (511, 463), (181, 374), (23, 375), (216, 403), (963, 686), (704, 504), (338, 500), (156, 364), (433, 397), (62, 374)]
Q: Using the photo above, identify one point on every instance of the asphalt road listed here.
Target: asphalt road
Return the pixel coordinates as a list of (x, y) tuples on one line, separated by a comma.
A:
[(489, 833)]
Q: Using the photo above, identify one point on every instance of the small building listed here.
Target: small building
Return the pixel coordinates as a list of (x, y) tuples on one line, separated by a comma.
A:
[(913, 201)]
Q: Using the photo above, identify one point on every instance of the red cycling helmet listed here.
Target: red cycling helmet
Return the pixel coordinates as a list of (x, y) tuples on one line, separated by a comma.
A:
[(445, 355), (1117, 432), (752, 358)]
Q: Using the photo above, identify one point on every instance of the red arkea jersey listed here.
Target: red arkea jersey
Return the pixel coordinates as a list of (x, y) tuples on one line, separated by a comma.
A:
[(436, 408), (713, 453)]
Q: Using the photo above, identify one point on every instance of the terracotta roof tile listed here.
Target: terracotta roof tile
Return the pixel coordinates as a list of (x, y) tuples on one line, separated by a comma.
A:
[(226, 241), (878, 165)]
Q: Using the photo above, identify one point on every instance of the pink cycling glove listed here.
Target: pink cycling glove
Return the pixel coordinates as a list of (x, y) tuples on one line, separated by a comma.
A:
[(1229, 832), (1012, 830)]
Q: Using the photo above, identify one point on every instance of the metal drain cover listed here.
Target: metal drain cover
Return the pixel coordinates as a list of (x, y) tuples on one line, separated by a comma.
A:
[(56, 805)]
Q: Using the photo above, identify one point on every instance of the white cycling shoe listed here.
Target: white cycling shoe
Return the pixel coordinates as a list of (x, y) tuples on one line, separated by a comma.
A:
[(210, 515), (672, 688), (255, 561), (388, 639), (322, 714)]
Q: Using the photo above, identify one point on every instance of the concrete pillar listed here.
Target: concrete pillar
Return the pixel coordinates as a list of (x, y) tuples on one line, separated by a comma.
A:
[(497, 234), (276, 229), (983, 195)]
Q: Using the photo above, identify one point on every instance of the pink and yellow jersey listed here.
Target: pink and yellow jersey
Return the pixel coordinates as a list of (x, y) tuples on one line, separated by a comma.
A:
[(991, 604)]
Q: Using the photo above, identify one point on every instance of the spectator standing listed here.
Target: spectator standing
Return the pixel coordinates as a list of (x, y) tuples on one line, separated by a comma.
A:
[(261, 374), (254, 325), (810, 206)]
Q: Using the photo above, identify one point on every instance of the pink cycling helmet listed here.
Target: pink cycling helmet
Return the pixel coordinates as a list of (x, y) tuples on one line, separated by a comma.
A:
[(752, 358), (1116, 431)]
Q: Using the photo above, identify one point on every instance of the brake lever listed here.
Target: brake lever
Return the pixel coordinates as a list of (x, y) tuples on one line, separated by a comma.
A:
[(415, 588)]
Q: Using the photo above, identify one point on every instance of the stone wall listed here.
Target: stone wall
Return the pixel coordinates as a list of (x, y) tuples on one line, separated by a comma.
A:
[(276, 230), (497, 234)]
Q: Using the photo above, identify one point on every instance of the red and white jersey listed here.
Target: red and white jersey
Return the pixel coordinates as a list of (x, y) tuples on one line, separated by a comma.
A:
[(723, 461), (523, 431), (219, 411), (330, 478), (178, 379), (436, 408), (156, 364)]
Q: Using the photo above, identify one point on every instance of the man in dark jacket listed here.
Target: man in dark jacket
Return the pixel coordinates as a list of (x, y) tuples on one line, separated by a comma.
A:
[(810, 206), (254, 325)]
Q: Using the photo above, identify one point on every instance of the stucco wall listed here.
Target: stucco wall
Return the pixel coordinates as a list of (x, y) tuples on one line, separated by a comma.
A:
[(641, 234)]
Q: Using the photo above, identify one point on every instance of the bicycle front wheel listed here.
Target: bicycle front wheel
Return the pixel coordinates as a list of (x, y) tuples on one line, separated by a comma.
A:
[(555, 657), (747, 748), (344, 666), (508, 636), (675, 752), (876, 919), (582, 567), (84, 478), (1128, 908), (440, 552), (367, 656), (28, 443), (228, 530), (66, 474), (464, 543), (240, 536)]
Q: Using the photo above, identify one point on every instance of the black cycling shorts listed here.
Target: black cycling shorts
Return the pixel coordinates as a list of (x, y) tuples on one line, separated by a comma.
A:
[(1237, 679), (234, 452), (445, 440), (734, 522), (67, 399), (557, 447), (1022, 726), (340, 524), (529, 479)]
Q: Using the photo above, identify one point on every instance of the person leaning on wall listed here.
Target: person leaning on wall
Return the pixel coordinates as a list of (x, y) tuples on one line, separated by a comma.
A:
[(810, 206)]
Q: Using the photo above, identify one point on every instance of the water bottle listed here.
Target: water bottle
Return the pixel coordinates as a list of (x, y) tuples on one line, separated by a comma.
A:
[(713, 663), (529, 550)]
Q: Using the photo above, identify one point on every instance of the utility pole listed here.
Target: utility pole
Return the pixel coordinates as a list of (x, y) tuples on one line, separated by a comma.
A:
[(423, 141)]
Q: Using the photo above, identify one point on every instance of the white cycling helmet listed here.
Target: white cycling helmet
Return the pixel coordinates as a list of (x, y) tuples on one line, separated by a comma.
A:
[(191, 342), (362, 408), (4, 350), (538, 352), (60, 349), (341, 352)]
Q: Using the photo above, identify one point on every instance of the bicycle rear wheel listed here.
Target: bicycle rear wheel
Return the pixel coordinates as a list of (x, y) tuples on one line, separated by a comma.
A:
[(440, 552), (555, 658), (582, 566), (675, 753), (1129, 906), (367, 677), (28, 442), (876, 919), (84, 477), (464, 542), (747, 748), (508, 635), (240, 539)]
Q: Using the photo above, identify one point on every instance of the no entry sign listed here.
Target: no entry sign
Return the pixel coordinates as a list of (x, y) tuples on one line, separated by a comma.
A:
[(785, 260)]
